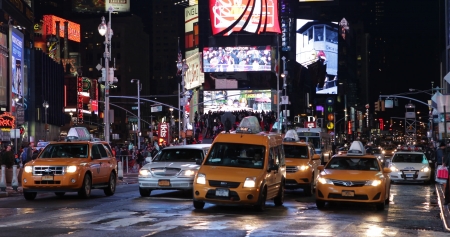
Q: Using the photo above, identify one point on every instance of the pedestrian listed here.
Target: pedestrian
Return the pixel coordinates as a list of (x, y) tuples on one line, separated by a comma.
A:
[(139, 158), (29, 152), (8, 157)]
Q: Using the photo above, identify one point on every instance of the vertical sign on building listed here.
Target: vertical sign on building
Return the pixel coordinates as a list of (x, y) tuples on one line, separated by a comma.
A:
[(80, 99), (16, 47)]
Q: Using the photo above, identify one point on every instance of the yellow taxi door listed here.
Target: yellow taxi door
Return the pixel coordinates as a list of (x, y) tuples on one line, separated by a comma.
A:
[(272, 179), (96, 164)]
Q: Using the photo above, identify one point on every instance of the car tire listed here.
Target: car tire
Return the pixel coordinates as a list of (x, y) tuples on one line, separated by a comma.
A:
[(60, 194), (279, 199), (144, 192), (261, 206), (309, 191), (29, 196), (320, 204), (198, 205), (111, 189), (380, 206), (386, 201), (85, 191)]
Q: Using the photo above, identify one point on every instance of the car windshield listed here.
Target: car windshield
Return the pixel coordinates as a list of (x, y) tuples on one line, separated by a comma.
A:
[(352, 163), (65, 151), (409, 158), (179, 155), (236, 155), (299, 152)]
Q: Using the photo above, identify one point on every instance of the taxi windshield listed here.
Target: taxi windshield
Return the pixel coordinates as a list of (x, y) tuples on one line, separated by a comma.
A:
[(236, 155), (353, 163), (65, 151), (409, 158), (292, 151), (179, 155)]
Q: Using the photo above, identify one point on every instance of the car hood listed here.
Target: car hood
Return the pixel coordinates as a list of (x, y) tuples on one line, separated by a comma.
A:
[(296, 162), (179, 165), (58, 161), (233, 174), (351, 174), (409, 166)]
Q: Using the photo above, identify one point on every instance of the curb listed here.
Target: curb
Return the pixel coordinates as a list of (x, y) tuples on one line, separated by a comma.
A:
[(445, 213)]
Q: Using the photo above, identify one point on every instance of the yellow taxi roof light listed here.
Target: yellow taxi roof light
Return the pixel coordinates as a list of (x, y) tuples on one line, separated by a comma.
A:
[(249, 124), (291, 136), (356, 149)]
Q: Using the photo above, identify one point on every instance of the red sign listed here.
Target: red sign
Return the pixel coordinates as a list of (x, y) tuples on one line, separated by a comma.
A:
[(80, 99), (253, 16), (49, 27), (7, 120), (164, 132), (349, 127), (310, 124)]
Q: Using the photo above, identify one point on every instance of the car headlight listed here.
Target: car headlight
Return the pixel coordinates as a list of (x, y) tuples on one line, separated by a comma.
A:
[(393, 168), (144, 172), (379, 157), (383, 152), (325, 181), (426, 169), (302, 167), (201, 179), (28, 169), (373, 183), (71, 169), (187, 173), (250, 182)]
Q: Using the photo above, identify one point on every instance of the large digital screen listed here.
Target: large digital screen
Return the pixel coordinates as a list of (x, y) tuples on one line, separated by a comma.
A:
[(17, 63), (317, 50), (237, 59), (96, 6), (237, 100), (252, 16), (194, 76), (49, 27)]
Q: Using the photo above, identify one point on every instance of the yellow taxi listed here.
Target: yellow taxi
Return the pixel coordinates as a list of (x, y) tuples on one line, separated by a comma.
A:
[(353, 177), (242, 168), (301, 163), (71, 167)]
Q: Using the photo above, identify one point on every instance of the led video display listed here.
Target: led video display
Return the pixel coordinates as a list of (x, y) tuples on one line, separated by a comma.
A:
[(252, 16), (237, 59), (317, 50), (237, 100)]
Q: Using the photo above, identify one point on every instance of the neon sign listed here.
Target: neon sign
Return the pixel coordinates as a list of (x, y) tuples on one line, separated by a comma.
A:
[(80, 99), (49, 28)]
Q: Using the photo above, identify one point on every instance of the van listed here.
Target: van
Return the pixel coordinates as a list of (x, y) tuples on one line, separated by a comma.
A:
[(246, 167)]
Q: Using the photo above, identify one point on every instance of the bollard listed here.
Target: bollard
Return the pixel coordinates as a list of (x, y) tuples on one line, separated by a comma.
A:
[(3, 179), (120, 170), (14, 182)]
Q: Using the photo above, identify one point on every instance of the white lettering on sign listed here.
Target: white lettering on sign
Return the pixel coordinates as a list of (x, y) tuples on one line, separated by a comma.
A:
[(311, 119), (163, 130)]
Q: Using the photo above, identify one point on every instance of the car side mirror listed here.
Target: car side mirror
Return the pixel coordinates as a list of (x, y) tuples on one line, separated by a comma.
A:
[(273, 167), (320, 167), (198, 161), (316, 157), (386, 170)]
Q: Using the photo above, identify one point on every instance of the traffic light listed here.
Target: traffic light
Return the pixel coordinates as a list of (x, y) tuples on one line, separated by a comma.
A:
[(382, 105), (377, 105)]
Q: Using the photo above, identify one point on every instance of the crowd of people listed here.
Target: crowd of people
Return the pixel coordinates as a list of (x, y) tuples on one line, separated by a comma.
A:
[(234, 59)]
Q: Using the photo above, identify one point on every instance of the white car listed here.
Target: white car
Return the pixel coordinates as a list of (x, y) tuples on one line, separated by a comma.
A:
[(410, 166), (173, 167)]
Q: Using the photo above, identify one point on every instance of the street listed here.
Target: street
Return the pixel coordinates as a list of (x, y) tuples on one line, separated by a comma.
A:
[(413, 211)]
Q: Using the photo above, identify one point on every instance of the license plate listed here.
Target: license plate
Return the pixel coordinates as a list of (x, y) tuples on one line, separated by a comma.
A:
[(164, 182), (409, 175), (47, 178), (348, 193), (222, 192)]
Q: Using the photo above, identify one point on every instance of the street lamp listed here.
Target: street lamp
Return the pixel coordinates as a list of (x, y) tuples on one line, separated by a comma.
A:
[(45, 105), (284, 76), (105, 30), (183, 67), (139, 88)]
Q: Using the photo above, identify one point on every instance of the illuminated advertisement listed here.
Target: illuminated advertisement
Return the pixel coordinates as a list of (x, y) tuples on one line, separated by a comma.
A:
[(16, 47), (96, 6), (80, 99), (237, 59), (252, 16), (237, 100), (317, 50), (49, 27), (4, 52), (194, 76), (191, 36)]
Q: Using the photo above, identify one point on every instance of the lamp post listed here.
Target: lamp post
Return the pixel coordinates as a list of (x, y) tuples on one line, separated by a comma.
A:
[(45, 105), (105, 30), (183, 67), (171, 122), (139, 88), (15, 124), (284, 75)]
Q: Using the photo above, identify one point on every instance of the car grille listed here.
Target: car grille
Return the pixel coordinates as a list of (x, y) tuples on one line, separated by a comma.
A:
[(291, 169), (223, 184), (43, 170), (162, 171), (346, 183), (48, 182), (356, 197), (233, 196)]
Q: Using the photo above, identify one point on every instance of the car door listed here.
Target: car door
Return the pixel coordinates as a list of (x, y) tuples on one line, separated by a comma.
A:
[(96, 164), (106, 163)]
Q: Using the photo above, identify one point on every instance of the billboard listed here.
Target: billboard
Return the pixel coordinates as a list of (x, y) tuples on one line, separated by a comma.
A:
[(191, 38), (237, 59), (252, 16), (49, 27), (317, 50), (237, 100), (194, 75), (95, 6), (16, 47)]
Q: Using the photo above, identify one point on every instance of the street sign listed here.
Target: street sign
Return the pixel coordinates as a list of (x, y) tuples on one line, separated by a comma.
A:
[(156, 108), (132, 119), (135, 108)]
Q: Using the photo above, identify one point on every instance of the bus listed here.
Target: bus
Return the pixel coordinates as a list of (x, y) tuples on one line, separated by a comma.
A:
[(321, 140)]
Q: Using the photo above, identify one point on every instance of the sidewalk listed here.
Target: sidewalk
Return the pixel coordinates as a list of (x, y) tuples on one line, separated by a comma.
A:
[(128, 178), (445, 213)]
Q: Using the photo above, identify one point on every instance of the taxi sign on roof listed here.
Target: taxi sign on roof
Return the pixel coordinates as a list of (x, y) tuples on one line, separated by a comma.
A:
[(356, 149), (291, 136), (249, 124)]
